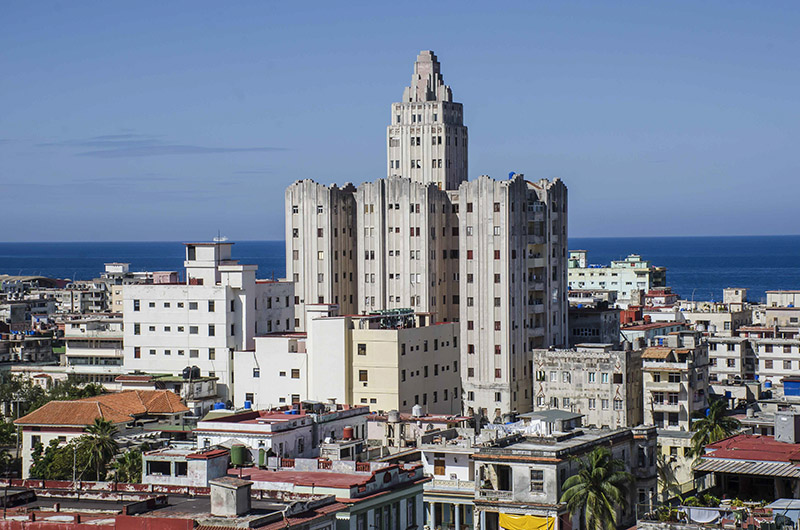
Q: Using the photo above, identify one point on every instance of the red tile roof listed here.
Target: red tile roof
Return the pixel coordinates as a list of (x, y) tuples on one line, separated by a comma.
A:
[(754, 447), (120, 407)]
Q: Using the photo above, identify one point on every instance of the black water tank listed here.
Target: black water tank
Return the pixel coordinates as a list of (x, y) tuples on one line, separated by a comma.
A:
[(187, 372)]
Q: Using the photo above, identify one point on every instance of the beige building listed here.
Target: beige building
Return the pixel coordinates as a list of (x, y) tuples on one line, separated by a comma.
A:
[(675, 374), (391, 360), (627, 277), (489, 254), (594, 380)]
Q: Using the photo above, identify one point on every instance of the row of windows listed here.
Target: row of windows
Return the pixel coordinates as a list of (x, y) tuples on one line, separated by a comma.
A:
[(412, 373), (541, 401), (193, 330), (193, 354), (180, 305), (446, 396)]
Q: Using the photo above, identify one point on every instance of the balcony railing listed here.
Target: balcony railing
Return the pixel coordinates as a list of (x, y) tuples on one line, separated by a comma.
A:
[(455, 485), (495, 495)]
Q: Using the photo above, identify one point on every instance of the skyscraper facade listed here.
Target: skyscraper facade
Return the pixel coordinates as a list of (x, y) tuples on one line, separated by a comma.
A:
[(490, 254)]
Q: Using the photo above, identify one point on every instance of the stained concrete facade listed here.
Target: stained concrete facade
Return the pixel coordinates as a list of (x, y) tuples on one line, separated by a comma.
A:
[(603, 384), (321, 246)]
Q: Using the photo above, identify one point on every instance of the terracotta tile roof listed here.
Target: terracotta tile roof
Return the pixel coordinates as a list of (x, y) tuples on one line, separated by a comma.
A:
[(119, 407), (656, 353)]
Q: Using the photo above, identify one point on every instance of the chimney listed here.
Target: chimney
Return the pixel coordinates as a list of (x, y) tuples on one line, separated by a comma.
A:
[(230, 496)]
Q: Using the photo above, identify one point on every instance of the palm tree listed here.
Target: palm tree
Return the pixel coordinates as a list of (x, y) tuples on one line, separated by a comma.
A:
[(99, 444), (128, 467), (713, 427), (600, 486)]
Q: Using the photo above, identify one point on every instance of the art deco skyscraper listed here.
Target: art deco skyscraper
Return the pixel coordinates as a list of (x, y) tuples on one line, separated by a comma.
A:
[(488, 253), (427, 140)]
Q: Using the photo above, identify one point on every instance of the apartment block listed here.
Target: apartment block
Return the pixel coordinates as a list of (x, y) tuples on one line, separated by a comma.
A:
[(595, 380), (675, 380), (626, 277), (220, 308), (388, 360)]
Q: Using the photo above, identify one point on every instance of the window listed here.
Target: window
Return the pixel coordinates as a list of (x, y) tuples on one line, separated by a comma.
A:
[(151, 304), (136, 305), (617, 404), (537, 477), (604, 377), (674, 377), (732, 363), (192, 330), (256, 372), (137, 352), (592, 403), (363, 376), (768, 363), (498, 396), (295, 373), (137, 329), (656, 377), (617, 379), (152, 352), (591, 376), (767, 348), (193, 305), (470, 372), (604, 404), (212, 331), (194, 353), (496, 254), (211, 306), (498, 374), (212, 354)]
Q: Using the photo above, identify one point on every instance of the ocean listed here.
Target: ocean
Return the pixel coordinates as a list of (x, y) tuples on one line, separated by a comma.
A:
[(697, 267)]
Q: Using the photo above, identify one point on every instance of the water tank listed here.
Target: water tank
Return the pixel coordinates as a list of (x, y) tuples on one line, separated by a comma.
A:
[(195, 372), (768, 384), (262, 457), (416, 411), (394, 416), (237, 455), (187, 372), (347, 433), (248, 405), (219, 405)]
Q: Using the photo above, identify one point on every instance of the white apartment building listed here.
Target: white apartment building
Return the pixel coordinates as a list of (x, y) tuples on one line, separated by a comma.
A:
[(392, 360), (730, 359), (490, 254), (626, 276), (93, 349), (219, 309)]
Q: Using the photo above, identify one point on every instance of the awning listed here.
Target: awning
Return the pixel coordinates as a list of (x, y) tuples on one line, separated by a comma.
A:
[(748, 467), (526, 522)]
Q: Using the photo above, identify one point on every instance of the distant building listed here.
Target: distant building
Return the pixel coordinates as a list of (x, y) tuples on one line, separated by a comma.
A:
[(93, 349), (184, 467), (626, 277)]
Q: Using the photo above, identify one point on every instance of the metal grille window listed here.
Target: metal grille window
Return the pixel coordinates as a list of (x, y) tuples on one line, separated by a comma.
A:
[(537, 480)]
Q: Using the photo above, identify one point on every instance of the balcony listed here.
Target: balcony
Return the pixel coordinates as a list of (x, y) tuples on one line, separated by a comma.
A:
[(495, 495), (536, 263), (664, 386), (451, 485)]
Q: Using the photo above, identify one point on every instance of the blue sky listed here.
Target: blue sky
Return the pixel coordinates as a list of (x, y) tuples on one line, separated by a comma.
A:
[(173, 120)]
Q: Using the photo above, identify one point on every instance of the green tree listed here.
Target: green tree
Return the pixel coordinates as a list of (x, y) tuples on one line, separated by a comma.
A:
[(8, 433), (128, 467), (600, 486), (98, 445), (713, 427)]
